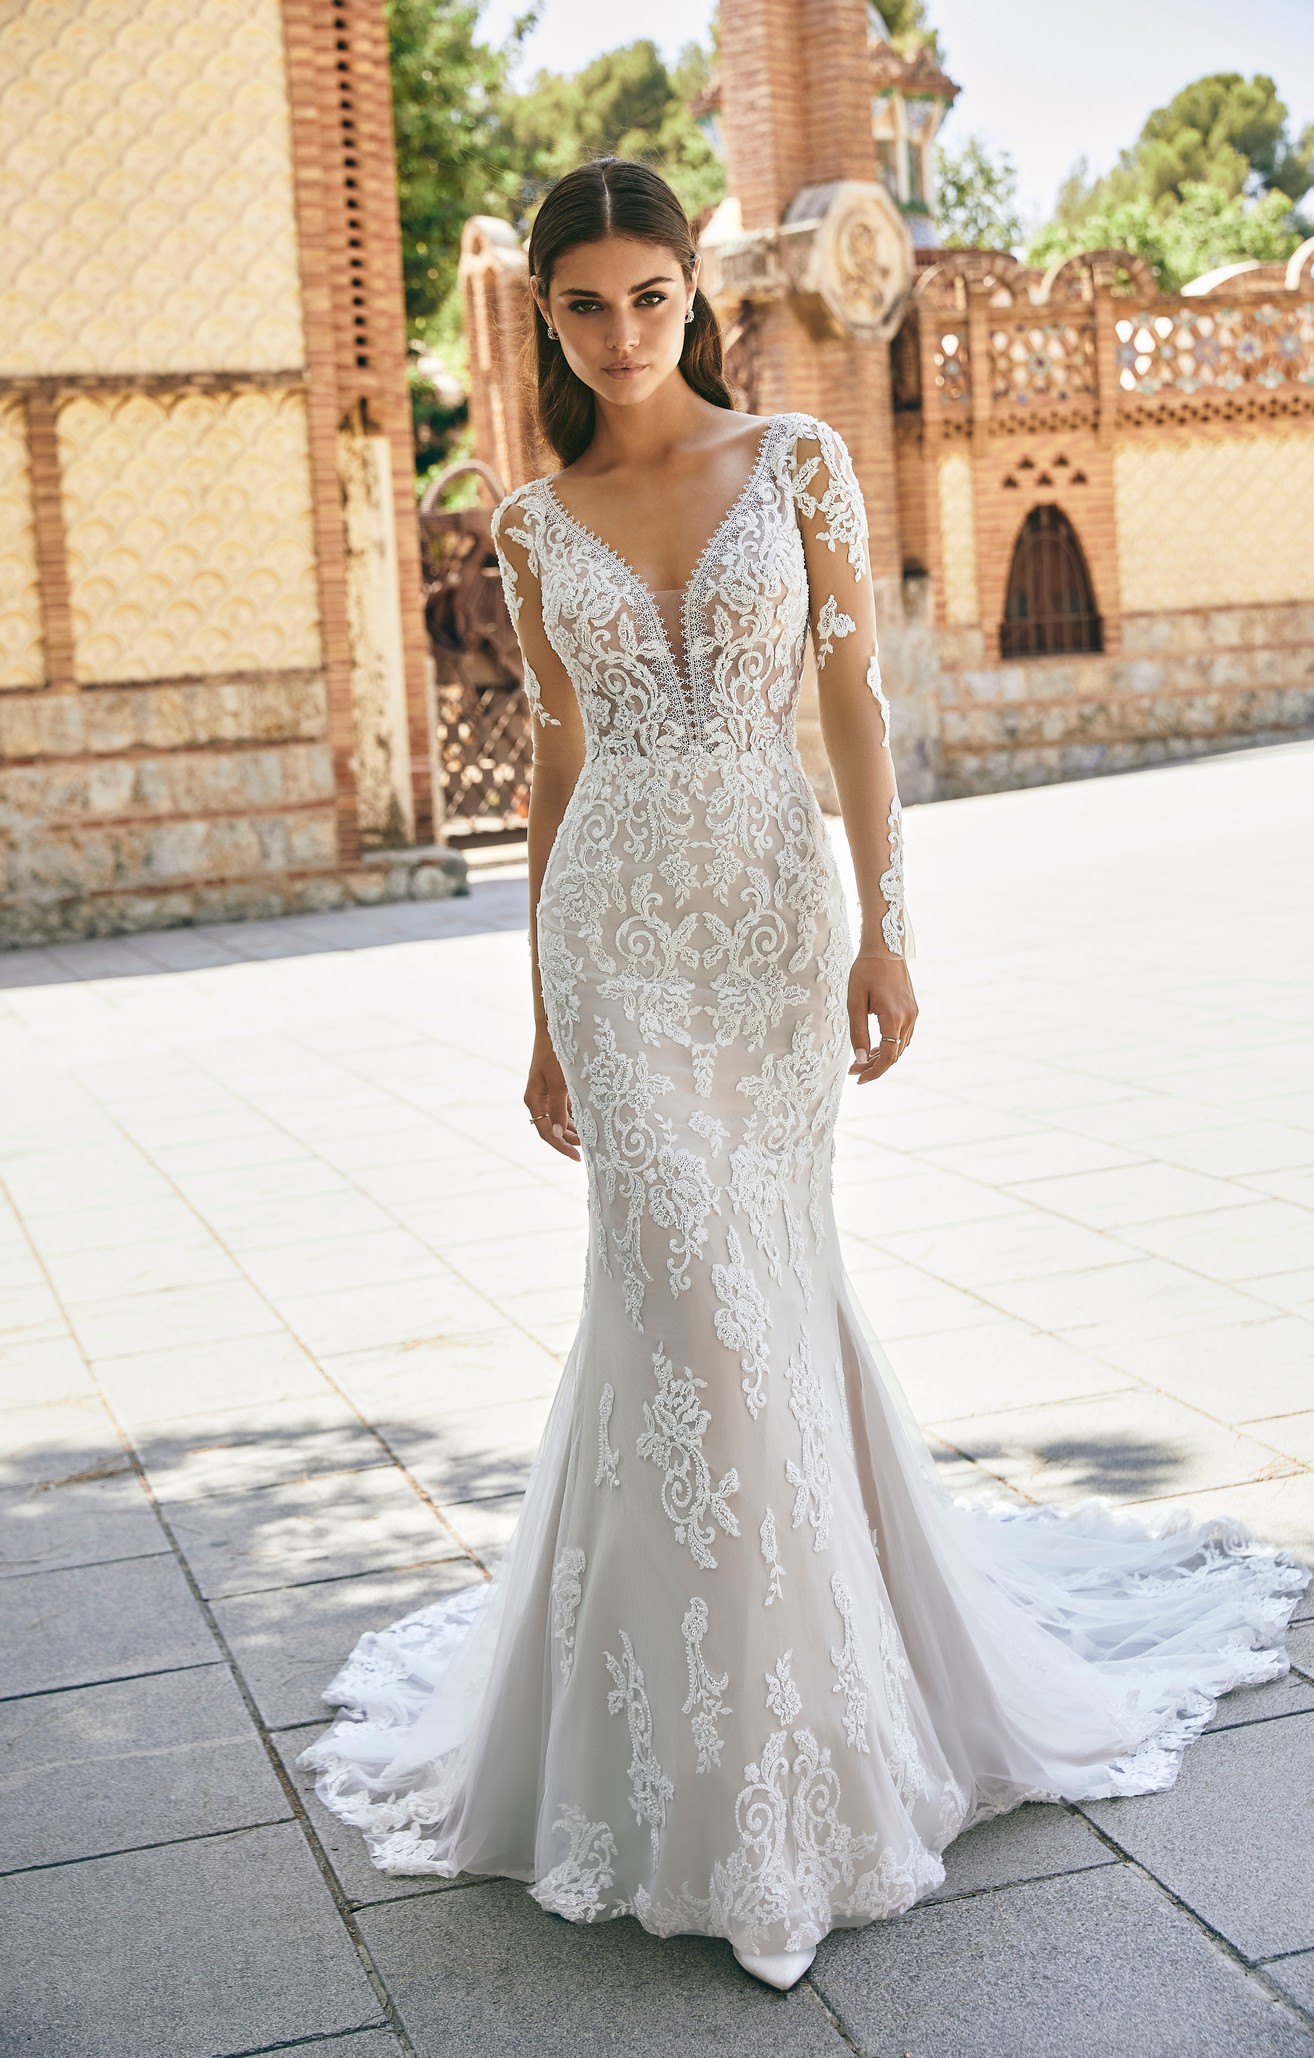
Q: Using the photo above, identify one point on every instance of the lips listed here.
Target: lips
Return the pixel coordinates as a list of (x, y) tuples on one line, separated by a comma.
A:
[(623, 371)]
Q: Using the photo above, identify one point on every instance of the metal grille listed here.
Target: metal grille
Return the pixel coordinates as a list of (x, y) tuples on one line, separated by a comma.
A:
[(1050, 609), (484, 741)]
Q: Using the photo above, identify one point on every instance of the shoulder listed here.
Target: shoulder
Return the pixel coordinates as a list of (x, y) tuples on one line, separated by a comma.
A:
[(807, 435), (520, 503)]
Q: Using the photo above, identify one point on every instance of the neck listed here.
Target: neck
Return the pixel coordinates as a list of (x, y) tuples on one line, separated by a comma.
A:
[(645, 433)]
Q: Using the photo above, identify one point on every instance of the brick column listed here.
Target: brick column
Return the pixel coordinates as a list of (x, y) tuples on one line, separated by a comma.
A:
[(51, 555)]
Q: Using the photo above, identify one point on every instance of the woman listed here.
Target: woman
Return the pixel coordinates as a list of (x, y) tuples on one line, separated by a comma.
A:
[(746, 1669)]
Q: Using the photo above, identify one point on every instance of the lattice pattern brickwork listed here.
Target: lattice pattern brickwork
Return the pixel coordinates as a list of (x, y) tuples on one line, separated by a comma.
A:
[(958, 541), (21, 656), (189, 534), (146, 188), (1207, 348), (1039, 363), (1215, 524)]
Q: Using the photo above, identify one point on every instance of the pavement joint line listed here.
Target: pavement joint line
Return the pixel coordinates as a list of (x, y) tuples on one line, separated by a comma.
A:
[(1252, 1968), (334, 2036), (80, 1686), (18, 1570), (300, 1813), (163, 1843), (460, 1885), (291, 1586), (835, 2020)]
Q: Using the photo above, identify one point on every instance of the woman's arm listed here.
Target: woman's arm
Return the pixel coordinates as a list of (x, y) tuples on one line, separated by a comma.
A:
[(855, 724), (558, 735)]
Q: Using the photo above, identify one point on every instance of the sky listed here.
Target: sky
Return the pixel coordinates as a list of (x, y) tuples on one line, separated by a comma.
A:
[(1047, 80)]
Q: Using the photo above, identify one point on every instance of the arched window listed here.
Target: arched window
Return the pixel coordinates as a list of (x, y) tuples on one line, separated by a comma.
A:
[(1050, 607)]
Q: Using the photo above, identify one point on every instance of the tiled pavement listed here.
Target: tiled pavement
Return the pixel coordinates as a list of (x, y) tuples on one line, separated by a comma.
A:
[(285, 1285)]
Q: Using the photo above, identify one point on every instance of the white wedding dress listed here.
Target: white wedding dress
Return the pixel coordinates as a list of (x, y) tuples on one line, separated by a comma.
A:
[(746, 1668)]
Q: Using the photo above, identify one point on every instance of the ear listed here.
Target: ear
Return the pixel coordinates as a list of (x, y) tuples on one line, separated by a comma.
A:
[(540, 298)]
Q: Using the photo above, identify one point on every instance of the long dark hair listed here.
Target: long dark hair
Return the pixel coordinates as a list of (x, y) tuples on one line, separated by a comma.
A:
[(612, 196)]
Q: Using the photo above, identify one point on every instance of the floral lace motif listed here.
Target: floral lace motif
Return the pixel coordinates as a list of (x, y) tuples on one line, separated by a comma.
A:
[(676, 1424), (783, 1699), (567, 1593), (911, 1779), (742, 1324), (832, 626), (811, 1474), (650, 1789), (704, 1701), (771, 1558), (608, 1472), (851, 1680), (577, 1886), (892, 921)]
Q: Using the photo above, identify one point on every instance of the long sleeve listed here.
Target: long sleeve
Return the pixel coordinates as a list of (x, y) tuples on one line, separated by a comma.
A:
[(855, 714), (547, 685)]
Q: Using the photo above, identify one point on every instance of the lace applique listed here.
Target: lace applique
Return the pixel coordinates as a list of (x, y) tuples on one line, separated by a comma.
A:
[(910, 1776), (851, 1680), (576, 1887), (650, 1789), (742, 1324), (798, 1256), (560, 970), (511, 591), (783, 1699), (711, 1127), (608, 1472), (683, 1196), (771, 1558), (613, 1124), (704, 1701), (567, 1592), (878, 695), (891, 883), (811, 1474), (832, 625), (840, 506), (673, 1439), (893, 1884)]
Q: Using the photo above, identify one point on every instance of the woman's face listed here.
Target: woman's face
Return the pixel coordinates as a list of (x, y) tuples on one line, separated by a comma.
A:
[(619, 309)]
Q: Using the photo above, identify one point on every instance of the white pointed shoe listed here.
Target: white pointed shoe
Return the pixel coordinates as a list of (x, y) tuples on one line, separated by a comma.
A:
[(782, 1969)]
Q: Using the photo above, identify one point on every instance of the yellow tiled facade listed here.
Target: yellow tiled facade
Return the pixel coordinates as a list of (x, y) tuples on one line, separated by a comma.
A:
[(1215, 524), (190, 539)]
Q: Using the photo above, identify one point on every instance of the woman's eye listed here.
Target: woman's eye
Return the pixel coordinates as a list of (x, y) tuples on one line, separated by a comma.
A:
[(651, 300), (584, 306)]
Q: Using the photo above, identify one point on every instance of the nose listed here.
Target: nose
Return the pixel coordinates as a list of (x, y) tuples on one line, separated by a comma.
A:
[(622, 330)]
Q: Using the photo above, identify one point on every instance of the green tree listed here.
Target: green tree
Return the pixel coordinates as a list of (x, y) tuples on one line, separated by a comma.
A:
[(626, 103), (1212, 178), (454, 157), (976, 203)]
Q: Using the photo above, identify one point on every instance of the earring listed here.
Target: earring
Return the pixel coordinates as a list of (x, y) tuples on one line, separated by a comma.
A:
[(551, 331), (689, 317)]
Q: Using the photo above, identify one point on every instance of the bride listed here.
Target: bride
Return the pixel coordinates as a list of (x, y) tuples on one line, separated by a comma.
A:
[(746, 1668)]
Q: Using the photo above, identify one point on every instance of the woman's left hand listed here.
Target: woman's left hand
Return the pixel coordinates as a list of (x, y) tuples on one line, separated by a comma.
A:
[(879, 985)]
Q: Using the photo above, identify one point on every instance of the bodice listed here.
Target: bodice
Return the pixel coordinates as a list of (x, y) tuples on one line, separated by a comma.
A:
[(728, 684)]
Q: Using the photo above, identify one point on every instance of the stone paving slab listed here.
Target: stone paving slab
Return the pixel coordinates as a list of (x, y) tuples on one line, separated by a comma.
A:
[(331, 1526), (143, 1761), (223, 1944), (1295, 1976), (99, 1622), (1225, 1840), (244, 1449), (1293, 1695), (289, 1642), (1099, 1965), (592, 1989), (1033, 1842), (81, 1521)]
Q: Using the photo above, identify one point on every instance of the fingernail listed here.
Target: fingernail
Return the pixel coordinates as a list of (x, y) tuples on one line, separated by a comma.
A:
[(861, 1057), (557, 1129)]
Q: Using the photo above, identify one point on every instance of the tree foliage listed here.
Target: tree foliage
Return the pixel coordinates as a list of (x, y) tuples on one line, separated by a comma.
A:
[(1212, 178), (976, 199)]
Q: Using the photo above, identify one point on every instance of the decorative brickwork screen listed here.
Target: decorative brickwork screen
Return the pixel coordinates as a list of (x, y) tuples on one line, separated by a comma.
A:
[(190, 550), (484, 740), (146, 166), (1050, 608)]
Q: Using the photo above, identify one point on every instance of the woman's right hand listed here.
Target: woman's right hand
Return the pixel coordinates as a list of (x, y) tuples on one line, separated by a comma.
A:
[(547, 1098)]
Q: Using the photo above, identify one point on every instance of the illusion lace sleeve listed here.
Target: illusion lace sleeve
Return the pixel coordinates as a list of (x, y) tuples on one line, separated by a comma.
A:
[(855, 715), (515, 541)]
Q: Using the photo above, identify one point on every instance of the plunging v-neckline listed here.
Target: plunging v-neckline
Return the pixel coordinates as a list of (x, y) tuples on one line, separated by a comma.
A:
[(708, 547), (682, 677)]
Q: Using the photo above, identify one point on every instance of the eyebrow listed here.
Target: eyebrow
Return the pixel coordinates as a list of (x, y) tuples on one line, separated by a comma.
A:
[(658, 279)]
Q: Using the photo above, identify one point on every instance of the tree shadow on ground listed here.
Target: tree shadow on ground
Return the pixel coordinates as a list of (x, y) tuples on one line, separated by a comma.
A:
[(1125, 1467)]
